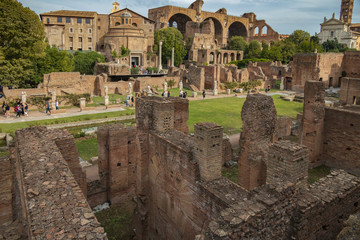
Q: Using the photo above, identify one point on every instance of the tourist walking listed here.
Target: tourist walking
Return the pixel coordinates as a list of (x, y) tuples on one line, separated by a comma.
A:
[(18, 111), (26, 109), (168, 95), (48, 111), (204, 94), (7, 111), (57, 105)]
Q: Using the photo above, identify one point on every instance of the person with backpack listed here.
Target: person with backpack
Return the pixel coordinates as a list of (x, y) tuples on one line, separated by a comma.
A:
[(7, 111)]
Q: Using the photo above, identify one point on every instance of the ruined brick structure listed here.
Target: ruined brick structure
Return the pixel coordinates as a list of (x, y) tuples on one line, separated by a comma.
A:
[(350, 91), (47, 197), (259, 123), (246, 26), (313, 120), (330, 133)]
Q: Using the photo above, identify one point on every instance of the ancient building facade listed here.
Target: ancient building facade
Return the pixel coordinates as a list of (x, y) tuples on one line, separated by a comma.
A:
[(338, 29), (346, 11), (225, 26), (81, 30)]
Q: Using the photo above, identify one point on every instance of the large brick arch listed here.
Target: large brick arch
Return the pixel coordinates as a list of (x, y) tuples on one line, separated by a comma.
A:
[(181, 20), (237, 29), (219, 31)]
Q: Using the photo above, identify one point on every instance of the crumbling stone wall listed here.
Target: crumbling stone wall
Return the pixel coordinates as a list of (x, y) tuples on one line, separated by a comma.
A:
[(259, 122), (117, 161), (311, 133), (53, 205), (6, 186), (112, 68), (322, 209), (350, 91), (341, 142), (351, 64), (283, 127)]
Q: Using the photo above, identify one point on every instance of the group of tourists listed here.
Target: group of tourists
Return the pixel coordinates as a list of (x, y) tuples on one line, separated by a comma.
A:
[(20, 109), (129, 101), (183, 94)]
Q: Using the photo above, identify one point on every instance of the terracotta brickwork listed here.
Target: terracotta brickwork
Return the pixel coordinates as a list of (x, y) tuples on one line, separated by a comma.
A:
[(6, 189), (259, 123), (350, 91), (313, 121), (341, 142)]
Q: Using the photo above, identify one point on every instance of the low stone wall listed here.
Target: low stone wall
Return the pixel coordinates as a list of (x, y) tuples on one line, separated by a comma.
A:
[(16, 93), (6, 185)]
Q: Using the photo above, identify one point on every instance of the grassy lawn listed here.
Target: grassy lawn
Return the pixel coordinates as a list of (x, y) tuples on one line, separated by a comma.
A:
[(87, 148), (12, 127), (227, 112), (174, 92), (231, 173), (118, 221)]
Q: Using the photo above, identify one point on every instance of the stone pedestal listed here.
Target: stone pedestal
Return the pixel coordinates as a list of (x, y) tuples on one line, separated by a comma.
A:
[(215, 91), (181, 86), (160, 56), (228, 91), (106, 101), (194, 94), (53, 99), (282, 84), (82, 104), (23, 97)]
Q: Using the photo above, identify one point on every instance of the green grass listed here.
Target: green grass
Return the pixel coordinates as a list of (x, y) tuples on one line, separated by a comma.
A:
[(316, 173), (174, 92), (227, 112), (231, 173), (12, 127), (87, 148), (4, 153), (118, 221)]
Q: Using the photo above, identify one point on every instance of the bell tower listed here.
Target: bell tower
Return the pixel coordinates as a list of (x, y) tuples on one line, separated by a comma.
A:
[(347, 7), (115, 7)]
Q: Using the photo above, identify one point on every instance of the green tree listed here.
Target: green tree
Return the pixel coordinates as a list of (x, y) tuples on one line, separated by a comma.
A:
[(21, 43), (54, 60), (265, 52), (254, 50), (85, 61), (172, 38), (333, 46), (124, 51), (298, 36), (238, 43)]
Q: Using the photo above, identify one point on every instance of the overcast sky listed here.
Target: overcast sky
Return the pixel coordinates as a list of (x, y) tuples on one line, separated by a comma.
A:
[(284, 16)]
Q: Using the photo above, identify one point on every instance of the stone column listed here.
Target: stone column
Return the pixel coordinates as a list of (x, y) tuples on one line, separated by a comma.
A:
[(53, 99), (282, 84), (172, 57), (215, 91), (165, 88), (23, 97), (148, 91), (106, 88), (194, 94), (228, 91), (160, 55), (181, 86), (130, 89), (82, 104), (106, 98)]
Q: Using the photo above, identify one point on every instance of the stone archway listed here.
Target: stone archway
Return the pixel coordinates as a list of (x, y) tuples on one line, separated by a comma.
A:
[(237, 29), (212, 58), (179, 21), (218, 30), (226, 58), (232, 57), (218, 58)]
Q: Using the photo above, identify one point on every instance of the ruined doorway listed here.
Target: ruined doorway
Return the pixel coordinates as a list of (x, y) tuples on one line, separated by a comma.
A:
[(179, 21), (212, 58), (331, 82), (237, 29), (135, 61), (218, 30)]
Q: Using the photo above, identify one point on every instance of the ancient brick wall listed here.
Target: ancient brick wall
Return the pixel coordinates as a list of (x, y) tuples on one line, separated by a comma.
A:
[(342, 139), (112, 68), (322, 209), (181, 114), (352, 64), (259, 123), (226, 151), (16, 93), (330, 68), (304, 68), (6, 190), (287, 162), (283, 127), (53, 204), (66, 144), (350, 91), (312, 128), (143, 82), (117, 161)]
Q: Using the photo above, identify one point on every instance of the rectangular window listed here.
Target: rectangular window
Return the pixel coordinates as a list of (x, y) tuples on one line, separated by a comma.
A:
[(48, 20), (90, 48), (87, 21), (71, 39), (68, 19), (59, 19), (89, 39), (123, 21), (126, 21), (80, 39), (71, 30), (80, 30), (90, 31), (98, 19), (71, 48), (79, 20), (98, 27)]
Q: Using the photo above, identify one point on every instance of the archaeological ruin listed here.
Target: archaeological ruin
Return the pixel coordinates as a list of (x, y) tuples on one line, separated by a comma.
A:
[(176, 179)]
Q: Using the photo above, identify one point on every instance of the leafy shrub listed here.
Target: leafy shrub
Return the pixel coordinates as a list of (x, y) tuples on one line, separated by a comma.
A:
[(250, 85), (152, 69), (134, 70), (244, 63), (40, 102), (231, 85), (74, 99), (170, 83)]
